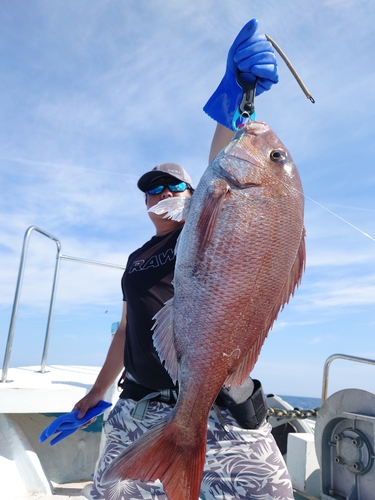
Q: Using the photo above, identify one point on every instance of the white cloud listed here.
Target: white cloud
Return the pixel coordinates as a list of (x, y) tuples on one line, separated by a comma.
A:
[(333, 258), (315, 340), (78, 283), (344, 293)]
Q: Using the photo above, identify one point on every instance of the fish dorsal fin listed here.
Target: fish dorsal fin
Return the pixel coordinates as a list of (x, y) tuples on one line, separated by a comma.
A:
[(294, 279), (164, 339), (212, 207), (175, 208)]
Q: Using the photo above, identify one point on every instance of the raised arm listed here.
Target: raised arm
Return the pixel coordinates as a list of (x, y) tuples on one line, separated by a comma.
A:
[(253, 56), (221, 138)]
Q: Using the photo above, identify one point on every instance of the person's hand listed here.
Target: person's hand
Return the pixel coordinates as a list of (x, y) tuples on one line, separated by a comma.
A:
[(253, 55), (67, 423), (91, 399)]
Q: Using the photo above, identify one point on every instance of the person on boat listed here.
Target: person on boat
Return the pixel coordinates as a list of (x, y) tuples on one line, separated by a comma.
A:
[(242, 460)]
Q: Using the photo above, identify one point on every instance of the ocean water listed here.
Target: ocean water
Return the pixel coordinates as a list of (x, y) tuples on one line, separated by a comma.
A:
[(303, 403)]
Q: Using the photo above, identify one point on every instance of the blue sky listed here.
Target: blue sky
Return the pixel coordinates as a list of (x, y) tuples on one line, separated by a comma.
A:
[(96, 92)]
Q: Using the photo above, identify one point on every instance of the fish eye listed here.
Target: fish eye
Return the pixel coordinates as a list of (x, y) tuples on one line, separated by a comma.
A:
[(278, 155)]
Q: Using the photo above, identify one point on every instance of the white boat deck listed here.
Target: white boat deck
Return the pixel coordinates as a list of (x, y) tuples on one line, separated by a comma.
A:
[(27, 390), (73, 491)]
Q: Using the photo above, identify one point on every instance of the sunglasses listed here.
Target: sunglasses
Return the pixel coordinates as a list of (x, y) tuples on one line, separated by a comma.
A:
[(173, 188)]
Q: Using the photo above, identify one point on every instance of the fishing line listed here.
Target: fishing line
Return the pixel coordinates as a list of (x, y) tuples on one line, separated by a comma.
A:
[(328, 210), (341, 218)]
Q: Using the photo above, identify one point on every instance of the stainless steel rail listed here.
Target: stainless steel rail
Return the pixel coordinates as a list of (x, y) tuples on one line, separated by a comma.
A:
[(92, 262), (327, 365), (59, 257)]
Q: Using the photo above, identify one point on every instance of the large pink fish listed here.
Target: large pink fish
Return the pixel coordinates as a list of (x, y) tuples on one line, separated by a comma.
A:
[(240, 256)]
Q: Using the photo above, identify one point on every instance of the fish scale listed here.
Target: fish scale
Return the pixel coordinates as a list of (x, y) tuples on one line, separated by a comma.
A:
[(240, 256)]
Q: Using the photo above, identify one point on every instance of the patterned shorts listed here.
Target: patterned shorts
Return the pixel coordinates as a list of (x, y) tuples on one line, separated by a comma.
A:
[(240, 464)]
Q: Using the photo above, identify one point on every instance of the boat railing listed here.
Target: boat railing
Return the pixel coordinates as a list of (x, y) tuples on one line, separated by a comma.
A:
[(59, 257), (327, 365)]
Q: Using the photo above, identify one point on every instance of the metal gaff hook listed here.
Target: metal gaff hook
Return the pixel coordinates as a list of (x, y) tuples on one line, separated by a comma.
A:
[(292, 70)]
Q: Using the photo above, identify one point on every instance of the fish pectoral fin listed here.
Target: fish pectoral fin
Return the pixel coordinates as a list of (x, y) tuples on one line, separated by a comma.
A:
[(161, 453), (164, 339), (212, 207), (175, 208)]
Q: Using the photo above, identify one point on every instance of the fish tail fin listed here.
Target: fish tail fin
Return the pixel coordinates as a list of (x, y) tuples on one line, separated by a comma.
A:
[(158, 454)]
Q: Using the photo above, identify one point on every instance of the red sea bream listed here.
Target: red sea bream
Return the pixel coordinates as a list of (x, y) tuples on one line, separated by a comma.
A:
[(240, 257)]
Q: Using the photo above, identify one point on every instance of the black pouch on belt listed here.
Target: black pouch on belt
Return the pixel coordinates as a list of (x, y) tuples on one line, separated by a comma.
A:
[(247, 403)]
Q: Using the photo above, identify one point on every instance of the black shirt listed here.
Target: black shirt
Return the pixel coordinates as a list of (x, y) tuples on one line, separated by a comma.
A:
[(147, 285)]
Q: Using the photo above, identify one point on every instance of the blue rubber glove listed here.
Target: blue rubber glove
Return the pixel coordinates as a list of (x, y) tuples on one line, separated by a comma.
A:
[(68, 423), (254, 56)]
